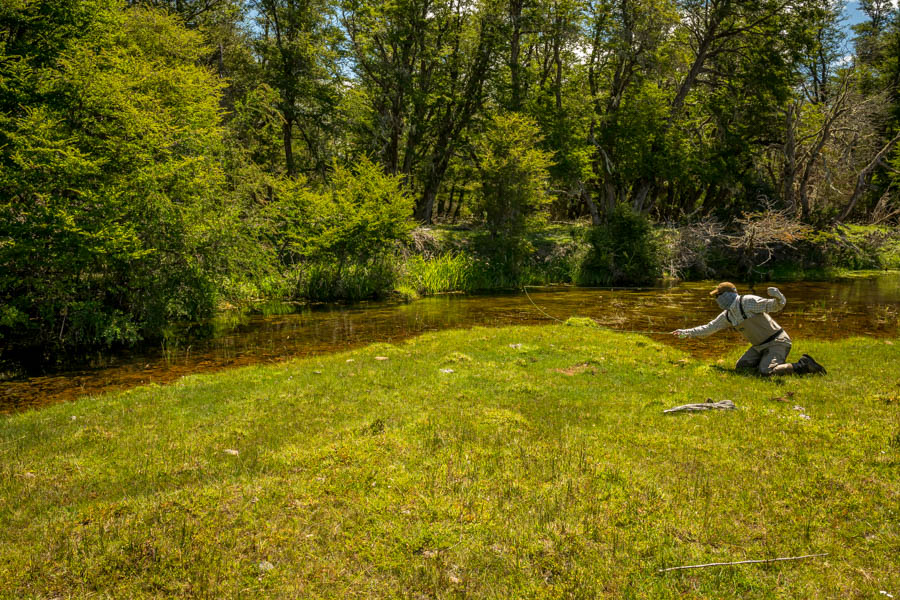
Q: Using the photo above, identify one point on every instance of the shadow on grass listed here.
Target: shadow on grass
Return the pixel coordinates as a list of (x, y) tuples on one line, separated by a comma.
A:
[(749, 374)]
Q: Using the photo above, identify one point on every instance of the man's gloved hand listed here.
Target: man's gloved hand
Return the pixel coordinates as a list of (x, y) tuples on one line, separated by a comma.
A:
[(775, 293)]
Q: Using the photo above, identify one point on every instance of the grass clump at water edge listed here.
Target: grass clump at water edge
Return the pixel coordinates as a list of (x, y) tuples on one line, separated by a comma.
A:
[(516, 463), (447, 272)]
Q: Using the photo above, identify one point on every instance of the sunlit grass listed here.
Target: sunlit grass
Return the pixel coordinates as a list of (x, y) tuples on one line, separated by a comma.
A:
[(462, 272), (487, 463), (444, 273)]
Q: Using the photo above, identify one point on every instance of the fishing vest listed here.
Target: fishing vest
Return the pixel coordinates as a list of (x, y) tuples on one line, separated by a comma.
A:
[(759, 329)]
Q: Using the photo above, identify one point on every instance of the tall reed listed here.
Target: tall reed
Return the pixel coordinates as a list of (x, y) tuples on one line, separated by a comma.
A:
[(449, 272)]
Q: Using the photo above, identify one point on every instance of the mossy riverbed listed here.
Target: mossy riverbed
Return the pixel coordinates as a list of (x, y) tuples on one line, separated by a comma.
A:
[(520, 462)]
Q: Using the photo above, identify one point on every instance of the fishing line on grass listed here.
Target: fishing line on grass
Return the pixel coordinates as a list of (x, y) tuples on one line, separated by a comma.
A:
[(549, 316)]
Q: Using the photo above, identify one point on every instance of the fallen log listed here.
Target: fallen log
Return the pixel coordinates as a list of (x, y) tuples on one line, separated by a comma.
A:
[(708, 405)]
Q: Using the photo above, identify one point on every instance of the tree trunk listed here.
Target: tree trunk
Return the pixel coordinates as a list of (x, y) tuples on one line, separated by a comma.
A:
[(288, 131), (862, 180), (424, 212), (696, 67), (515, 49), (459, 201), (642, 189), (396, 125), (612, 196), (557, 42), (803, 192), (591, 206), (446, 203), (439, 162), (789, 163)]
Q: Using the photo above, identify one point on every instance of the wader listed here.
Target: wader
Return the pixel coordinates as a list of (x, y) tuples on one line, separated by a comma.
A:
[(771, 345)]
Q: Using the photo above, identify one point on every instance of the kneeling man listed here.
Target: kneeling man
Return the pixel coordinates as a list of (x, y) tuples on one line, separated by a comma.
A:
[(750, 315)]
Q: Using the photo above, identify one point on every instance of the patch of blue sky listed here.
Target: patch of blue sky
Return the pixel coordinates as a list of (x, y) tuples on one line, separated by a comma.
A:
[(854, 14)]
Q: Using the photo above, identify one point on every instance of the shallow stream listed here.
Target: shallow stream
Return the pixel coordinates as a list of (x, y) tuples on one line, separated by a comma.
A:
[(868, 306)]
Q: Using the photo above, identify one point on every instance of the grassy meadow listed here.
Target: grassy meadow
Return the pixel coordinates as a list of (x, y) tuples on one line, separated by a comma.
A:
[(522, 462)]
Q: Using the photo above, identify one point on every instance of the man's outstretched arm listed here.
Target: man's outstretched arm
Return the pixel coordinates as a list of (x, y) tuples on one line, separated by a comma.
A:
[(702, 331)]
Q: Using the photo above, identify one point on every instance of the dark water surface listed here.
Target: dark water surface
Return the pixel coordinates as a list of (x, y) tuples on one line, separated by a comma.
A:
[(823, 310)]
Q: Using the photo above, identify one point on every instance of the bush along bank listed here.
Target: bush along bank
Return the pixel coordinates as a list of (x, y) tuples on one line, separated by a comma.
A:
[(705, 250), (375, 254), (629, 251)]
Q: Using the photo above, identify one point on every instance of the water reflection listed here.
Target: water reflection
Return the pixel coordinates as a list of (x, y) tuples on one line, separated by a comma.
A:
[(852, 307)]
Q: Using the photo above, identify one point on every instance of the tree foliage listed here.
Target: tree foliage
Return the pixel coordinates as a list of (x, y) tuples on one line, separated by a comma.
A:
[(512, 175), (111, 223), (358, 217)]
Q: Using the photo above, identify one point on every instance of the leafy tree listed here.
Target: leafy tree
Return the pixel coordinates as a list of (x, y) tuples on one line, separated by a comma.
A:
[(297, 47), (111, 216), (512, 188), (513, 175), (821, 43), (869, 32), (193, 13), (628, 42), (423, 65)]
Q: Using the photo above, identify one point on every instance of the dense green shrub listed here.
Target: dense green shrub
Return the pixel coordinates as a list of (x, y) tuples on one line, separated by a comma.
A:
[(112, 216), (338, 243), (623, 251), (851, 247)]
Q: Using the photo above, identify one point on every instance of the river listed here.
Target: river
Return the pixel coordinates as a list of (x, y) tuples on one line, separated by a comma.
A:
[(859, 306)]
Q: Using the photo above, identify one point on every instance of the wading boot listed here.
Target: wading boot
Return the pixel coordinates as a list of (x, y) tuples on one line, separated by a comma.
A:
[(812, 366)]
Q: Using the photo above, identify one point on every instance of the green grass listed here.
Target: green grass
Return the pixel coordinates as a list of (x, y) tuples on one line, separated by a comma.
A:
[(329, 282), (447, 272), (540, 467), (462, 272)]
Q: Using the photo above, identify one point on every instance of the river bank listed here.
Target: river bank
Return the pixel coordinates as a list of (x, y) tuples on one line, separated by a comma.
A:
[(627, 252), (509, 462), (448, 258), (859, 306)]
